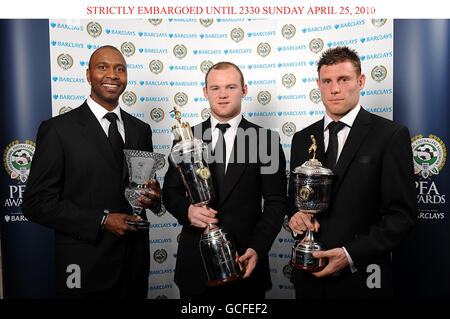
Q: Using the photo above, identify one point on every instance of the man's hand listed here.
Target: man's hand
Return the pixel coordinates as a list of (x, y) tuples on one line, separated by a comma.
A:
[(337, 261), (301, 221), (117, 224), (249, 260), (151, 197), (201, 216)]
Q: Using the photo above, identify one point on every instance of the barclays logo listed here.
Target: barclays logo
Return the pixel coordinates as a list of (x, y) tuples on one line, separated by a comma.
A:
[(159, 287), (161, 131), (183, 115), (286, 240), (69, 27), (261, 82), (379, 109), (261, 34), (151, 50), (161, 272), (199, 52), (164, 225), (138, 115), (262, 66), (342, 43), (376, 92), (160, 241), (320, 112), (261, 114), (377, 56), (69, 97), (200, 99), (183, 83), (162, 147), (135, 66), (154, 83), (292, 48), (153, 34), (292, 64), (67, 44), (183, 35), (120, 32), (93, 46), (213, 36), (309, 80), (350, 24), (68, 79), (292, 97), (286, 287), (154, 99), (182, 20), (238, 51), (377, 38), (183, 68), (317, 29)]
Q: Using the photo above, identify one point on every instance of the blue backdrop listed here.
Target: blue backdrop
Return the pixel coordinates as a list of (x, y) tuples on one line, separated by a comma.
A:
[(421, 102)]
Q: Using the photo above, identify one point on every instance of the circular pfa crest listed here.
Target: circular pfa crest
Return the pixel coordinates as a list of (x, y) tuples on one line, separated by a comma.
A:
[(315, 96), (94, 29), (180, 51), (288, 128), (429, 155), (378, 22), (204, 173), (160, 256), (263, 49), (128, 49), (206, 22), (305, 193), (264, 97), (379, 73), (17, 159), (287, 271), (205, 66), (129, 98), (181, 99), (206, 113), (156, 66), (288, 80), (155, 21), (65, 61), (288, 31), (316, 45), (157, 114), (64, 109), (237, 34)]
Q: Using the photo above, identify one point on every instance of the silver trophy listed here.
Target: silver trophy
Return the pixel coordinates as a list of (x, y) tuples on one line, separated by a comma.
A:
[(190, 156), (142, 166), (312, 185)]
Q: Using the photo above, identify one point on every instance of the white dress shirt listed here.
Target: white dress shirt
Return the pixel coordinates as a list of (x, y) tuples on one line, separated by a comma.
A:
[(229, 135), (342, 135), (99, 112)]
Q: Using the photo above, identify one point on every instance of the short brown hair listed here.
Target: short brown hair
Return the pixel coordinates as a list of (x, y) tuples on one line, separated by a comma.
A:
[(224, 66), (338, 55)]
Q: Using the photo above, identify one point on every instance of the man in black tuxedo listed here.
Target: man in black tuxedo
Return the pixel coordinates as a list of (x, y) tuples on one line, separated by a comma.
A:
[(254, 170), (76, 186), (373, 201)]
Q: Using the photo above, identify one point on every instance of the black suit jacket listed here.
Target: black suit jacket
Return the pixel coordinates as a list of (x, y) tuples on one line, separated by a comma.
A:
[(239, 207), (372, 207), (74, 177)]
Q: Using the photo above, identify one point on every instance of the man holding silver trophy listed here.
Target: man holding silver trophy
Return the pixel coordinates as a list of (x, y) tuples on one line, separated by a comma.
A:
[(246, 166), (369, 198), (77, 187)]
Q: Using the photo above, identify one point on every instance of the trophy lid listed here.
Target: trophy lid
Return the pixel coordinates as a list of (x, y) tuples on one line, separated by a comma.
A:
[(312, 167), (182, 130)]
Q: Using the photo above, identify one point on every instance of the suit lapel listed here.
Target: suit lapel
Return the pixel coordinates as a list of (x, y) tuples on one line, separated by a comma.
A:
[(94, 134), (357, 134)]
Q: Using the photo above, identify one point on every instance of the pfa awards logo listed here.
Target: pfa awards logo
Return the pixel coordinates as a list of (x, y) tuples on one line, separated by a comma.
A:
[(237, 34), (180, 51), (316, 45), (264, 97), (129, 98), (378, 22), (206, 22), (17, 159), (288, 80), (156, 66), (429, 155), (65, 61), (94, 29), (157, 114), (180, 99), (288, 128), (155, 22), (160, 256), (263, 49), (205, 66), (205, 113), (315, 96), (379, 73), (64, 109), (128, 49), (288, 31)]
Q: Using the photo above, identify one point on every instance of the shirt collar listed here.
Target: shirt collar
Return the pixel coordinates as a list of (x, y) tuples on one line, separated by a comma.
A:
[(347, 119), (99, 111), (234, 122)]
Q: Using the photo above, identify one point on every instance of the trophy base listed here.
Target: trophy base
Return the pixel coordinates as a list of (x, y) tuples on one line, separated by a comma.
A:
[(223, 281), (140, 224), (307, 268), (303, 259)]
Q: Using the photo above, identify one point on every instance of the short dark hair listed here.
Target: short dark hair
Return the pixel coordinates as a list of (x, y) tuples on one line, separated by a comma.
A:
[(102, 47), (224, 66), (338, 55)]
